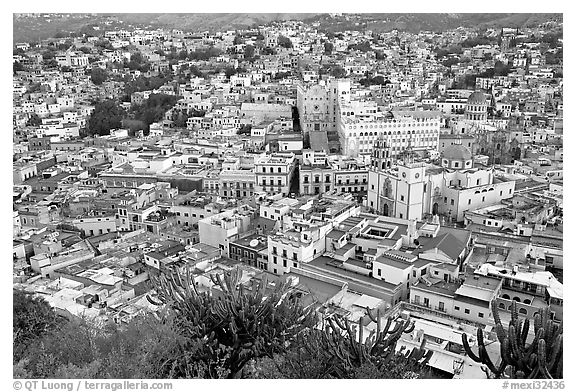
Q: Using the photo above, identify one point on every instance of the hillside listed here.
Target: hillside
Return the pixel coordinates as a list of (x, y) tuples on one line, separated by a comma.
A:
[(27, 28), (415, 23)]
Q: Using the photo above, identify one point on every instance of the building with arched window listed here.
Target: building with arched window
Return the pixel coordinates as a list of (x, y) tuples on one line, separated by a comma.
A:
[(476, 107), (413, 190)]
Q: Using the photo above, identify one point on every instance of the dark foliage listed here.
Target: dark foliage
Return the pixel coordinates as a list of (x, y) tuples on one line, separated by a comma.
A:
[(17, 66), (107, 115), (153, 109), (32, 319), (230, 330), (249, 52), (542, 358), (34, 120), (285, 42), (98, 75)]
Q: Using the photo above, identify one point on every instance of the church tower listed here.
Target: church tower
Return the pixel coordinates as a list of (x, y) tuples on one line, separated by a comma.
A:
[(395, 187)]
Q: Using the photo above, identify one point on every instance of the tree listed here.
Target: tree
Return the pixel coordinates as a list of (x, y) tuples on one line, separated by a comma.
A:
[(285, 42), (233, 327), (249, 52), (32, 319), (337, 71), (34, 120), (51, 63), (17, 66), (137, 62), (180, 120), (268, 51), (229, 71), (107, 115), (152, 110), (98, 75), (364, 46), (540, 359), (78, 349), (48, 54)]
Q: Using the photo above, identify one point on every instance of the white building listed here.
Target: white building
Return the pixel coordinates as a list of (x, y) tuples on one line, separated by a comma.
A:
[(274, 173), (418, 129)]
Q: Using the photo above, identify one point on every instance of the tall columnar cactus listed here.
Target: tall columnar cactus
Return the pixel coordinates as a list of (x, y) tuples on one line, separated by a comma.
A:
[(542, 358), (231, 328), (345, 342)]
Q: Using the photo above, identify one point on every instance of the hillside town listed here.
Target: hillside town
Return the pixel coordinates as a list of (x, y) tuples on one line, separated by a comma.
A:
[(420, 175)]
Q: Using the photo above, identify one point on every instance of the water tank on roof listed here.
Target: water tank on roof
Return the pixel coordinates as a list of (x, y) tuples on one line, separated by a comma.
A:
[(254, 243)]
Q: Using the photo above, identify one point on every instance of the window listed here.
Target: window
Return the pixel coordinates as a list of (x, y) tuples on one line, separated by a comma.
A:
[(401, 197), (456, 307), (467, 311), (379, 272), (480, 314)]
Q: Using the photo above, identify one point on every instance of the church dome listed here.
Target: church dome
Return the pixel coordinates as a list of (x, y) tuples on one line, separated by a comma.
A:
[(457, 152), (477, 98)]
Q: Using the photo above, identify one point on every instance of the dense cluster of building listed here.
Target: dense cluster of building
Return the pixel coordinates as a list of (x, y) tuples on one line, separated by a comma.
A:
[(413, 196)]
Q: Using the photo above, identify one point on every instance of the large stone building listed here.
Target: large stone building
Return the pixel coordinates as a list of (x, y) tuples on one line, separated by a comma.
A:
[(320, 173), (318, 106), (274, 173), (418, 130), (413, 190)]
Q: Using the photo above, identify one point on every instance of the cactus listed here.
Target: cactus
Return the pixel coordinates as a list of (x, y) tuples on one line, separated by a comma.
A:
[(236, 326), (542, 358), (344, 341)]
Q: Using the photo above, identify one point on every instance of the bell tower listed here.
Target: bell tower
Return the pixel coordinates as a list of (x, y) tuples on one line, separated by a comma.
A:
[(410, 190), (381, 155)]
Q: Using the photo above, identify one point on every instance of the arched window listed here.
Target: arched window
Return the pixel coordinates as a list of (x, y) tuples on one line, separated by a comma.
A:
[(517, 299), (527, 301), (505, 296), (501, 305), (522, 311)]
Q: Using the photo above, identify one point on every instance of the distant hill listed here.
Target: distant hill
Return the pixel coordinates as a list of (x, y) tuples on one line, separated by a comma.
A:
[(209, 22), (415, 23), (28, 28)]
